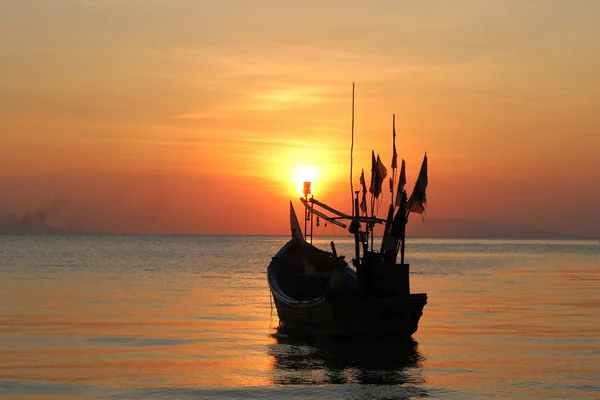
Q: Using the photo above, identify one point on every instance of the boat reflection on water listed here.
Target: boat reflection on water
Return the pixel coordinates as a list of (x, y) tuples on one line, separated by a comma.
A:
[(300, 359)]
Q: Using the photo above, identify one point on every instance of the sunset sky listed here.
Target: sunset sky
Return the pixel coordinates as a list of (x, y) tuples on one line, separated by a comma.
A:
[(182, 116)]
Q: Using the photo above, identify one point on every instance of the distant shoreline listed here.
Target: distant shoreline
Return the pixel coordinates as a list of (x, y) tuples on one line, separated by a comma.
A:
[(522, 238)]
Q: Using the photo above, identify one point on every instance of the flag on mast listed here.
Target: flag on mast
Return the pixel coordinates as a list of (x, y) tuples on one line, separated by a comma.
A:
[(382, 169), (418, 199), (363, 202), (378, 174), (374, 175), (363, 184), (401, 183)]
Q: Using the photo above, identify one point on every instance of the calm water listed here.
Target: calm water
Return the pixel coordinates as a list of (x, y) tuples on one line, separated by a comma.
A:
[(189, 317)]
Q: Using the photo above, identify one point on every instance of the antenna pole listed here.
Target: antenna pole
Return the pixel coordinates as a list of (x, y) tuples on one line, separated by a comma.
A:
[(306, 216), (352, 153), (311, 221)]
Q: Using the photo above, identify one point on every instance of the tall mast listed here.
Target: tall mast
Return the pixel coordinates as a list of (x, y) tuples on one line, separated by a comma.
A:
[(394, 160), (352, 153)]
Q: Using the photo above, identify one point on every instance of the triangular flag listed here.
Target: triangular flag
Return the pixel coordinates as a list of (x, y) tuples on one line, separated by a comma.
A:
[(363, 202), (374, 175), (378, 174), (382, 168), (418, 201), (362, 181), (401, 183)]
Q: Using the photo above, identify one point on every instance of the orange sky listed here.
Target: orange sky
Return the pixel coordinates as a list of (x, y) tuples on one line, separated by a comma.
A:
[(189, 117)]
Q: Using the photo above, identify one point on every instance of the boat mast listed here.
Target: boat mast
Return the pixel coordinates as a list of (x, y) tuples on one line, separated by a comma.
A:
[(355, 224), (394, 160), (352, 153), (402, 212), (356, 228)]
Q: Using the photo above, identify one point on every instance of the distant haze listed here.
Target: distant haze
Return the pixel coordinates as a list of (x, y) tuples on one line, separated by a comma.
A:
[(175, 116)]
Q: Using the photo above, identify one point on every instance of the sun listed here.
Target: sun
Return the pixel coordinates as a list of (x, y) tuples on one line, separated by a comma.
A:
[(305, 173)]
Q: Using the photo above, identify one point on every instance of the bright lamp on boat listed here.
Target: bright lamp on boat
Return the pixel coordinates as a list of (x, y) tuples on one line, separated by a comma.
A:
[(306, 188)]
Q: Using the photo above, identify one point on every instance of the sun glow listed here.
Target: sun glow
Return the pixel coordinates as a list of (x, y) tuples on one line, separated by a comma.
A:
[(305, 173)]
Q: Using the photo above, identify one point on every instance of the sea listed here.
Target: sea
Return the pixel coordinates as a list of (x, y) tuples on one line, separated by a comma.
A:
[(191, 317)]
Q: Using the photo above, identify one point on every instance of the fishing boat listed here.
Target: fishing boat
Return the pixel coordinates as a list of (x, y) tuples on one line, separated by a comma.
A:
[(316, 291)]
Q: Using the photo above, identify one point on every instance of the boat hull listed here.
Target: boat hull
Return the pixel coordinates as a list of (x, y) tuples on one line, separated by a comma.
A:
[(344, 311), (354, 316)]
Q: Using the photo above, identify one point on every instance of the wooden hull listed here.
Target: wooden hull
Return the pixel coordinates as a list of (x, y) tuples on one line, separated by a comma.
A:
[(354, 316), (345, 311)]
